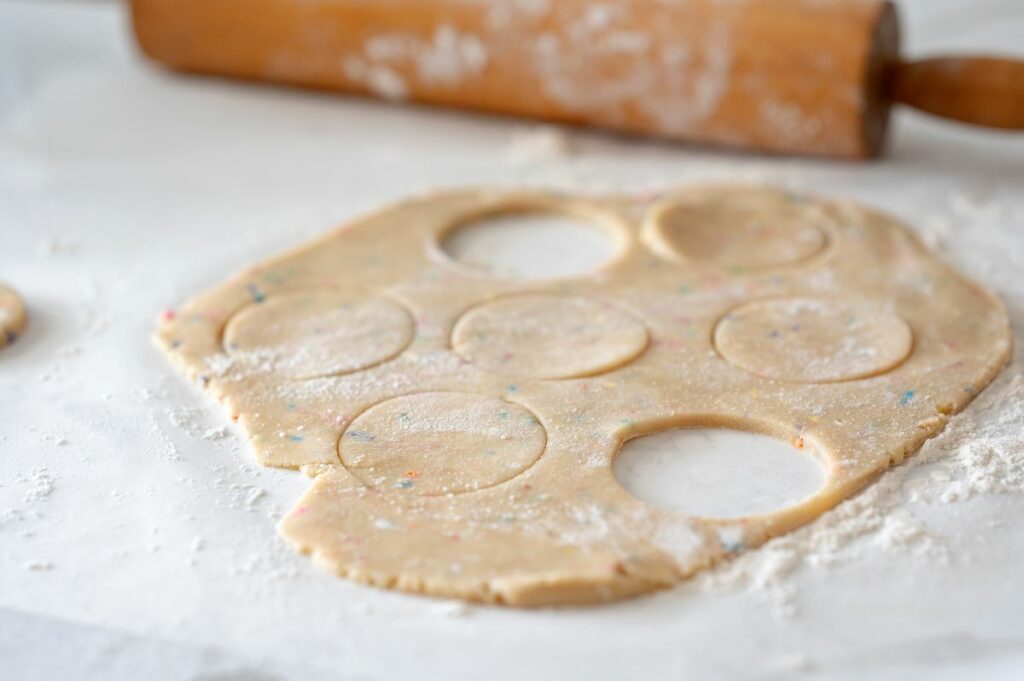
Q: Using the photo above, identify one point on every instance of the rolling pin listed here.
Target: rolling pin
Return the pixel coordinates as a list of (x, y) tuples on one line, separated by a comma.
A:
[(810, 77)]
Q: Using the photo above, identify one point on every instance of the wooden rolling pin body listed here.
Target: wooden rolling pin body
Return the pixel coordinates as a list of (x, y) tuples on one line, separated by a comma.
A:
[(794, 76)]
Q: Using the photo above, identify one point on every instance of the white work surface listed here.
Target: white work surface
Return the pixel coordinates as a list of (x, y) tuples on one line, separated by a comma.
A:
[(138, 541)]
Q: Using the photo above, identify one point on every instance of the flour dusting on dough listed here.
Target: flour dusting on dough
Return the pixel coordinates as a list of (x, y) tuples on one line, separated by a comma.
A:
[(980, 452)]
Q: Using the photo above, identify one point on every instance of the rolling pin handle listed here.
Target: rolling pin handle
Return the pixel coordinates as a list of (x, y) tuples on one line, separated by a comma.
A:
[(982, 91)]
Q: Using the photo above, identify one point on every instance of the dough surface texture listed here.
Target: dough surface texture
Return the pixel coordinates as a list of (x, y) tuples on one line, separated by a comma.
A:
[(548, 336), (459, 427)]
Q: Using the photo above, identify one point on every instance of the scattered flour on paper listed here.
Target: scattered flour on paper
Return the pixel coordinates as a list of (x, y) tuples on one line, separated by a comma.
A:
[(35, 488), (39, 485), (538, 144), (58, 247), (452, 608), (38, 565), (194, 421)]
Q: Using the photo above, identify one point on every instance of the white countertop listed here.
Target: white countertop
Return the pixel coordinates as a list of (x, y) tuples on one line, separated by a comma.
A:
[(135, 544)]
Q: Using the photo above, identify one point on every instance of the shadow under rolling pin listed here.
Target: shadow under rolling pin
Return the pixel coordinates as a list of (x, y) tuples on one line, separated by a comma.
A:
[(783, 76)]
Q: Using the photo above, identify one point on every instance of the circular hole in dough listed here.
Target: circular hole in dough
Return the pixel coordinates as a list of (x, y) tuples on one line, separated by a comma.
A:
[(807, 340), (530, 245), (546, 336), (717, 472), (12, 315), (441, 443), (319, 333), (739, 230)]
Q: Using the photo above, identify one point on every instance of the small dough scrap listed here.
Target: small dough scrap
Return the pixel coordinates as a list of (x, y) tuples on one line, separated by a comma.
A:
[(541, 336), (812, 340), (460, 427), (12, 315), (319, 333), (762, 229), (441, 443)]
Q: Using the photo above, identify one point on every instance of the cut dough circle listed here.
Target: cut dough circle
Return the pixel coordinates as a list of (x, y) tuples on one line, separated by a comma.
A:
[(807, 340), (755, 231), (441, 443), (719, 472), (12, 315), (506, 245), (547, 336), (320, 333)]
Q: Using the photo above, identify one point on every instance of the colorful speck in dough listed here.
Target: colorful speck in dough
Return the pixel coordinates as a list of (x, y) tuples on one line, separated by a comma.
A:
[(460, 427)]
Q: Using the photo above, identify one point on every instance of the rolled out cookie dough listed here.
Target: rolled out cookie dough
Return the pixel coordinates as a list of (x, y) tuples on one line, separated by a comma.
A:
[(12, 316), (460, 427)]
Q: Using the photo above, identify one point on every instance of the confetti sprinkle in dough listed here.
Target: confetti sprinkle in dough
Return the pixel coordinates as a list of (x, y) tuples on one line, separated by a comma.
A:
[(460, 426), (12, 316)]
